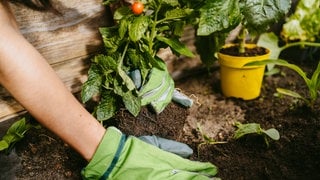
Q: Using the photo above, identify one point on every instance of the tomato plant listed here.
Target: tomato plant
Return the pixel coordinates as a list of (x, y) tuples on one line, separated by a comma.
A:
[(137, 7), (132, 44)]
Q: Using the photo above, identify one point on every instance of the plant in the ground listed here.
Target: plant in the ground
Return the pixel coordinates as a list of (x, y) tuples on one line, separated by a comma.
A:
[(15, 133), (312, 83), (270, 40), (132, 43), (304, 23), (205, 139), (254, 128)]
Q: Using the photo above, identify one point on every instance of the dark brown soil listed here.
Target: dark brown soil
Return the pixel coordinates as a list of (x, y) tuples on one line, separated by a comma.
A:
[(296, 155), (249, 52)]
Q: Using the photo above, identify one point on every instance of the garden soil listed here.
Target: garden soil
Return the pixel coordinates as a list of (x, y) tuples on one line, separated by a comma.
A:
[(296, 155)]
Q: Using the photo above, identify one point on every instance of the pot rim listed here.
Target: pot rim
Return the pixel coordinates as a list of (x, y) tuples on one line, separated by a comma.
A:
[(240, 61)]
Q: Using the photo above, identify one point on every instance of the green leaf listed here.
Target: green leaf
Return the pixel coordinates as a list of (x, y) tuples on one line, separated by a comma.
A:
[(260, 14), (108, 64), (244, 129), (110, 38), (156, 61), (218, 15), (207, 46), (3, 145), (108, 2), (126, 79), (314, 85), (270, 41), (132, 103), (272, 133), (177, 13), (178, 28), (15, 133), (311, 24), (172, 3), (107, 106), (138, 28), (281, 62), (122, 12), (289, 93), (176, 45), (123, 28), (92, 86)]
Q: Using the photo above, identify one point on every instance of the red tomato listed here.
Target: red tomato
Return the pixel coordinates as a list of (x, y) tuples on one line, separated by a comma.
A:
[(137, 8)]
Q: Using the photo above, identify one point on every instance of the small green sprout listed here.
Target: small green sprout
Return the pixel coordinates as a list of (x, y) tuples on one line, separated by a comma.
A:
[(205, 139), (15, 133), (254, 128)]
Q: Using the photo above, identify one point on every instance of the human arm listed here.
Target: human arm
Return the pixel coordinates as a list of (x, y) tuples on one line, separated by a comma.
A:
[(30, 79)]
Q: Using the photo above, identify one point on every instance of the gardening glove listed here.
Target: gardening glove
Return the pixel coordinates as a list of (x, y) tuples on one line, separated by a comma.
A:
[(181, 98), (158, 90), (175, 147), (120, 157)]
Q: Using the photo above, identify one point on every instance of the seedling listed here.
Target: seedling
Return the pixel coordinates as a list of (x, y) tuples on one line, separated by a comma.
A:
[(14, 134), (205, 139), (254, 128), (312, 83)]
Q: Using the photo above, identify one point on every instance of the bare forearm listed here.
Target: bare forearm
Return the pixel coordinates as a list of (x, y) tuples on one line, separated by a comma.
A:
[(28, 77)]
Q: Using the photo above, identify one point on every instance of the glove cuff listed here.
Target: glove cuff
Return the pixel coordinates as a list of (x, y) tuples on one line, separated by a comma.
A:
[(106, 155)]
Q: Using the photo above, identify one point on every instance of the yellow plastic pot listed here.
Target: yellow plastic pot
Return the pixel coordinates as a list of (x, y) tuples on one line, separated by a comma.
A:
[(238, 81)]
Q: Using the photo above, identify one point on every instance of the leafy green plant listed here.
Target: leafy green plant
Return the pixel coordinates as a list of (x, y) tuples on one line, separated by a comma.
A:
[(15, 133), (312, 83), (219, 17), (270, 40), (131, 44), (304, 23), (254, 128)]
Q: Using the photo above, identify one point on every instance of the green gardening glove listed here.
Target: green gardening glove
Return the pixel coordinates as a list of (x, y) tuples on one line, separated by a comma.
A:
[(168, 145), (121, 158), (158, 89)]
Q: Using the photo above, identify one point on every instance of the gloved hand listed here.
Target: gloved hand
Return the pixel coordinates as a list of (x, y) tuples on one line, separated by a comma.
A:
[(159, 90), (168, 145), (120, 157)]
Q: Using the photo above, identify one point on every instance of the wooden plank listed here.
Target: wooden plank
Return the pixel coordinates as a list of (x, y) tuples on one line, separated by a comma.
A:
[(59, 38)]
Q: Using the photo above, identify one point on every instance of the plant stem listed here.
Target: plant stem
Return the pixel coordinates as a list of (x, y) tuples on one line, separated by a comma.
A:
[(242, 40), (153, 31), (302, 43), (123, 55)]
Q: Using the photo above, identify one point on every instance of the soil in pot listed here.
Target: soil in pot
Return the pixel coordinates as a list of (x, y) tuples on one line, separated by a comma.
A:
[(234, 51)]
